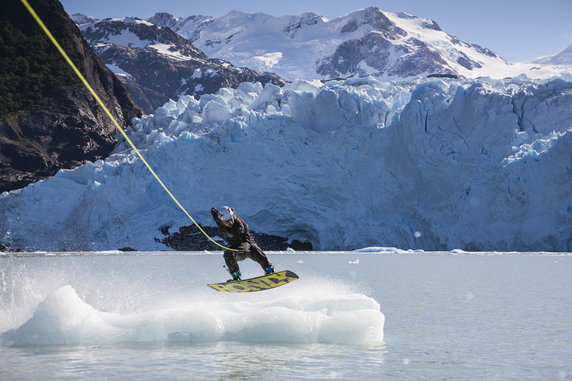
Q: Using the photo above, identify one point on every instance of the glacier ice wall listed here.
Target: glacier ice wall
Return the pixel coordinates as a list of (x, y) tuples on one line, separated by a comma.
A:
[(431, 164)]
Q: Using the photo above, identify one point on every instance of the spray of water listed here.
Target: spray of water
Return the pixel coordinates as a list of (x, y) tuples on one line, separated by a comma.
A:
[(98, 300)]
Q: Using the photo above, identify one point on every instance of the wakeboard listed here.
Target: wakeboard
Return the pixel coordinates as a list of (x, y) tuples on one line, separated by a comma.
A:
[(260, 283)]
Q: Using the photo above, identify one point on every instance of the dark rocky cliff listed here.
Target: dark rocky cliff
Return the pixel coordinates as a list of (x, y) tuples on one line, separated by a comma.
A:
[(48, 120)]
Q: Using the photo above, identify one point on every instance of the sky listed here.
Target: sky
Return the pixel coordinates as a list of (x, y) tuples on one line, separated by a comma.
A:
[(518, 30)]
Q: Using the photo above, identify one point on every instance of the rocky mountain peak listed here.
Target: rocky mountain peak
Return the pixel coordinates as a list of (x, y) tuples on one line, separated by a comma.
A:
[(80, 19), (164, 19), (372, 17), (306, 19)]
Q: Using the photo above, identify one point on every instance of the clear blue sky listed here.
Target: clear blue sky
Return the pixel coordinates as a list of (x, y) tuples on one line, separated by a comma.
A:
[(518, 30)]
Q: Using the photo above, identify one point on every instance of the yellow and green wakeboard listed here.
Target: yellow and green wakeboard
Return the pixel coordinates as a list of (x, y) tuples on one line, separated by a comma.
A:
[(260, 283)]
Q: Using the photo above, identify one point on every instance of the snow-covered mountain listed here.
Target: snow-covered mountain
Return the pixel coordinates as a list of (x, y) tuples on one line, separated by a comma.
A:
[(366, 42), (562, 58), (431, 164), (158, 64), (206, 53), (80, 19)]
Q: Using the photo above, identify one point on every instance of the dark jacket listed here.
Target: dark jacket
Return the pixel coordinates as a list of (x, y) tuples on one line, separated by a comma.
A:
[(235, 234)]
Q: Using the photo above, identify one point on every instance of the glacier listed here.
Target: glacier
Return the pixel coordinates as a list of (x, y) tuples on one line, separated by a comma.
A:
[(434, 164)]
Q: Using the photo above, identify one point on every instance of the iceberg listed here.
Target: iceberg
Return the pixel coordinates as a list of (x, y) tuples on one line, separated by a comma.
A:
[(63, 318)]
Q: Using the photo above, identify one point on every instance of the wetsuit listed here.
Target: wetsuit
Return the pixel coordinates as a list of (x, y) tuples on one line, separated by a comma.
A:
[(235, 232)]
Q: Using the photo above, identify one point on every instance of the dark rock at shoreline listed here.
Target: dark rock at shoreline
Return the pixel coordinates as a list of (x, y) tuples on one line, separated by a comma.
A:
[(8, 249), (190, 238), (444, 75)]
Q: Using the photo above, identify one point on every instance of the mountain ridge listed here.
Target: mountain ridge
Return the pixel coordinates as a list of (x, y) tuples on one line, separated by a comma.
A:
[(390, 46), (157, 64), (563, 57)]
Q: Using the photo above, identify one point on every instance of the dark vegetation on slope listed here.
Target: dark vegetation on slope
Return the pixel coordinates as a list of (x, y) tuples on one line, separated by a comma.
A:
[(48, 120)]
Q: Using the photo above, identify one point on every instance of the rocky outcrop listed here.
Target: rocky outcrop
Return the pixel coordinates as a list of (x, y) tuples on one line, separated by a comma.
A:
[(189, 238), (48, 120)]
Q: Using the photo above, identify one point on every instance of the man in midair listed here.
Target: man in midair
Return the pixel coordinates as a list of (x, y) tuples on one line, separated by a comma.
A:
[(237, 235)]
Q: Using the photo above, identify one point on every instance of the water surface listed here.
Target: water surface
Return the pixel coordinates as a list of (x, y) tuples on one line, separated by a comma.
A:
[(455, 317)]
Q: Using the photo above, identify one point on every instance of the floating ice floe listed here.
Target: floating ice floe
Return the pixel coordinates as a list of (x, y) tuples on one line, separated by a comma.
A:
[(63, 318)]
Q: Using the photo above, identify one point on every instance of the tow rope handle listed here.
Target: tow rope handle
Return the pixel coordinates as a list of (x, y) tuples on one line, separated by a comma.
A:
[(119, 128)]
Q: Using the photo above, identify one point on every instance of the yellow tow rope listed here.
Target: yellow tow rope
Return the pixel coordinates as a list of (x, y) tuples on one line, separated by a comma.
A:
[(92, 91)]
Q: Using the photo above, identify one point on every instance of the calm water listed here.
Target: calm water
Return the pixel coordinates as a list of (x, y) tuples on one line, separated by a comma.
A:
[(453, 317)]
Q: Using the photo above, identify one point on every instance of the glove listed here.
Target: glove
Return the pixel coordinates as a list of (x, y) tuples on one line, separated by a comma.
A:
[(214, 212)]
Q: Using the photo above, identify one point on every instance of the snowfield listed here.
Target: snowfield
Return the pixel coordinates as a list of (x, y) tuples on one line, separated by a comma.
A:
[(427, 164)]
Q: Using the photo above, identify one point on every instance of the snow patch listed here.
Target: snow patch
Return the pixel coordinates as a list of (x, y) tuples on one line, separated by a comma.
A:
[(117, 70), (269, 59), (170, 51)]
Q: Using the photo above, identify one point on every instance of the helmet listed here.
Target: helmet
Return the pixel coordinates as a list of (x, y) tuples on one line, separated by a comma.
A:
[(226, 213)]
